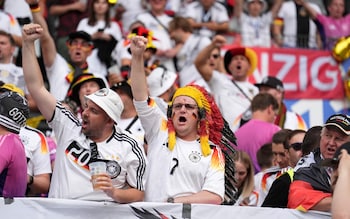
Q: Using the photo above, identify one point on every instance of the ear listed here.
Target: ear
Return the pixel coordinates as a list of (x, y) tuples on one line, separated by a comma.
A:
[(270, 109), (13, 48), (90, 50)]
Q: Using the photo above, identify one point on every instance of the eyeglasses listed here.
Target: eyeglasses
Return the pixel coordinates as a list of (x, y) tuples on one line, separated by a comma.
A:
[(296, 146), (188, 106), (215, 56)]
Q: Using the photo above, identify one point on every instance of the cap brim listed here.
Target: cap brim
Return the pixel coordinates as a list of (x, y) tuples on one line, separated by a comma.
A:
[(339, 127), (105, 106)]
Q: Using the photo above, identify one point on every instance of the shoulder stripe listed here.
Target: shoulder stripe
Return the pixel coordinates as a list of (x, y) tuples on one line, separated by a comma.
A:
[(44, 146), (139, 154), (68, 113)]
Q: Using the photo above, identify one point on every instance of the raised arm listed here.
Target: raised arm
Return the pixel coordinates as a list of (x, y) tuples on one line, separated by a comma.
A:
[(202, 58), (137, 74), (341, 192), (238, 9), (47, 43), (312, 12), (32, 74), (276, 7)]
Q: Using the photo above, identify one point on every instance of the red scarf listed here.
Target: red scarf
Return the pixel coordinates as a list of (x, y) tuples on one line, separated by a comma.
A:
[(281, 117)]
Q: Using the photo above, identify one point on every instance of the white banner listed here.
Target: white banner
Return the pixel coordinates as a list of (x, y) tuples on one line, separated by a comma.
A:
[(44, 208)]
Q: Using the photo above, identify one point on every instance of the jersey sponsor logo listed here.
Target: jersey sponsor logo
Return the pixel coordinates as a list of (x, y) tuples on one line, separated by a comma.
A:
[(195, 156), (113, 169)]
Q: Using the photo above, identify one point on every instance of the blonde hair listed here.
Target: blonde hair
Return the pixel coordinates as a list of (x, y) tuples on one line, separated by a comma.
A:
[(248, 184)]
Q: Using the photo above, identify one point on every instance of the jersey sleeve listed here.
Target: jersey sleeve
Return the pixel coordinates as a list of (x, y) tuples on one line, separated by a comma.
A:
[(303, 197)]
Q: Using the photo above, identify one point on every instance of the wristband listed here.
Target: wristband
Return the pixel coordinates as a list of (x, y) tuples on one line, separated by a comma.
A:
[(34, 7)]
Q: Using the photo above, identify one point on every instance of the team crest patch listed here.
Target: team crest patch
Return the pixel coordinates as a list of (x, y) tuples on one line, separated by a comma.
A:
[(113, 169), (195, 156)]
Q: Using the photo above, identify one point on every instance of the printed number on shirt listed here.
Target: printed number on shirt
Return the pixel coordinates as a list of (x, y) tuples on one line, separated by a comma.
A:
[(78, 154), (176, 161)]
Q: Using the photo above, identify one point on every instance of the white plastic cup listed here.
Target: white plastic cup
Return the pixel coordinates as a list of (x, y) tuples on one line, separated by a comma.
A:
[(96, 168)]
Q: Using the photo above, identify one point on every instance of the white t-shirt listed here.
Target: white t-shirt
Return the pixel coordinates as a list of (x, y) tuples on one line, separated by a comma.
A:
[(256, 31), (288, 14), (9, 24), (188, 73), (294, 121), (112, 30), (132, 9), (160, 33), (263, 181), (56, 75), (134, 127), (125, 158), (189, 51), (95, 65), (217, 13), (10, 73), (18, 8), (183, 171), (230, 100), (37, 151)]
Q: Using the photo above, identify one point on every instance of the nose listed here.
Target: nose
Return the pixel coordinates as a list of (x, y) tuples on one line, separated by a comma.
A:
[(332, 141)]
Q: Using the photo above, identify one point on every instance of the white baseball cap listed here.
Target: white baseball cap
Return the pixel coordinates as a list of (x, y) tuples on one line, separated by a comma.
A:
[(109, 101), (160, 80), (245, 5)]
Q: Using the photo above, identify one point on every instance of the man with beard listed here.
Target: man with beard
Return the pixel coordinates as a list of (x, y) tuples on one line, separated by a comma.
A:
[(97, 137)]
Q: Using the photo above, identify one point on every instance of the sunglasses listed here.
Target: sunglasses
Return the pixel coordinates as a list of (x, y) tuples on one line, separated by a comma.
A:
[(296, 146)]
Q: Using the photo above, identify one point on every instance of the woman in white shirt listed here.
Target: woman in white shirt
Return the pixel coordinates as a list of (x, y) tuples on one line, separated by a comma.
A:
[(105, 34)]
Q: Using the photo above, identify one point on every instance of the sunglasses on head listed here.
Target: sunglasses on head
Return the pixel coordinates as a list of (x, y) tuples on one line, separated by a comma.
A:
[(296, 146)]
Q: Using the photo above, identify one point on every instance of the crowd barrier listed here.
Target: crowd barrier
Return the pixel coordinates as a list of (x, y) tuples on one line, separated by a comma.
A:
[(45, 208)]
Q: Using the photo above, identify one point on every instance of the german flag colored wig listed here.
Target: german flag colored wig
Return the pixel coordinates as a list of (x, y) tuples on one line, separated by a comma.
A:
[(208, 113)]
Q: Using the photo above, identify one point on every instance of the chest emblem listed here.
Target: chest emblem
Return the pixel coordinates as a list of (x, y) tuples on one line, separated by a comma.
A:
[(195, 156), (113, 169)]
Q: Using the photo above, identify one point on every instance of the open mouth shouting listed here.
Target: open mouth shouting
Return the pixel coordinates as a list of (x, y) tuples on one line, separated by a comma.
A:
[(182, 119)]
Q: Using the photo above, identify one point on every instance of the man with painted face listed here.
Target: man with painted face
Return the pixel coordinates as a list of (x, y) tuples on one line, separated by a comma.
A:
[(185, 161)]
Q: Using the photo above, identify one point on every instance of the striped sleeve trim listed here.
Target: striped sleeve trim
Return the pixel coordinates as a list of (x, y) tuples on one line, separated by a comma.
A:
[(140, 172)]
